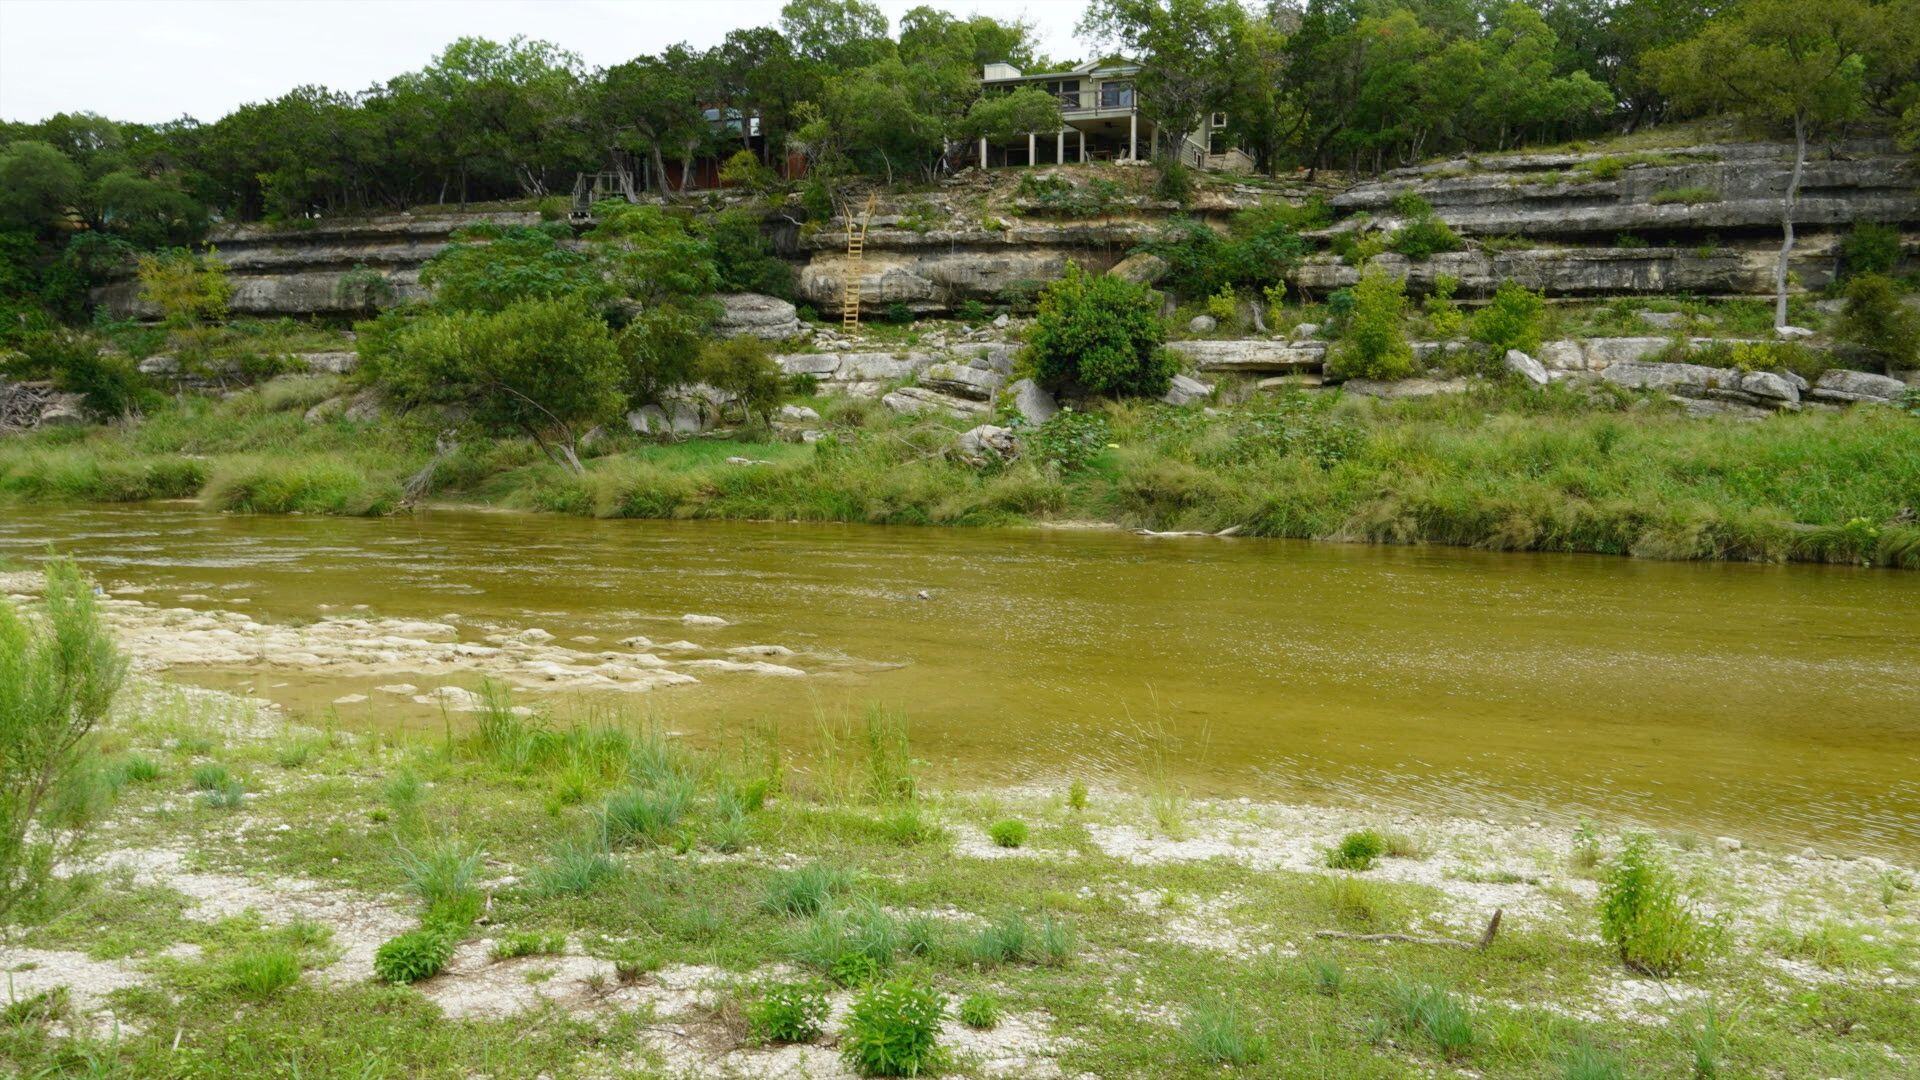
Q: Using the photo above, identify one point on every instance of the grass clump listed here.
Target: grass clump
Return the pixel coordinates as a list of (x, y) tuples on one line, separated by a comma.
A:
[(806, 891), (894, 1030), (1644, 917), (262, 973), (788, 1013), (1219, 1034), (414, 955), (1357, 850), (1008, 833), (980, 1011)]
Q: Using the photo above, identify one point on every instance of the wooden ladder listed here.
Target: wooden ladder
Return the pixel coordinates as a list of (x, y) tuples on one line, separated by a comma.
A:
[(856, 256)]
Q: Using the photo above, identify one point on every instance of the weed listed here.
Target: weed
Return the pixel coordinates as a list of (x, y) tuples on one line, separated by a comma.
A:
[(1357, 850), (894, 1030), (520, 943), (1008, 833), (788, 1013), (806, 891), (980, 1010), (1219, 1034), (264, 972), (1644, 917), (414, 955)]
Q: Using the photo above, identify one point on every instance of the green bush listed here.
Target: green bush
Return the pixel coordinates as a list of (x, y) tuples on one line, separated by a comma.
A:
[(1513, 319), (414, 955), (1644, 917), (788, 1013), (894, 1030), (1101, 334), (1876, 321), (1870, 248), (1372, 343), (980, 1010), (1010, 833), (1357, 850)]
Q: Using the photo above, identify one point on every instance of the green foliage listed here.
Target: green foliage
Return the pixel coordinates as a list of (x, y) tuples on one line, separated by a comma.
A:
[(1870, 247), (1513, 319), (1643, 915), (1101, 334), (58, 678), (492, 267), (414, 955), (1218, 1033), (788, 1013), (980, 1010), (1008, 833), (1372, 343), (1877, 321), (894, 1029), (1357, 850)]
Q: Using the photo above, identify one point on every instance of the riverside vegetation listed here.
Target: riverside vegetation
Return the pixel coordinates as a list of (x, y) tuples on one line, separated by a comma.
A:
[(536, 894)]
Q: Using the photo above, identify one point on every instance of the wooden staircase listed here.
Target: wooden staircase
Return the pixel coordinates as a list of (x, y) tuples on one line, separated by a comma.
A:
[(856, 257)]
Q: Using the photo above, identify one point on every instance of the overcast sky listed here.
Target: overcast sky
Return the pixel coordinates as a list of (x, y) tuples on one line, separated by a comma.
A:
[(153, 60)]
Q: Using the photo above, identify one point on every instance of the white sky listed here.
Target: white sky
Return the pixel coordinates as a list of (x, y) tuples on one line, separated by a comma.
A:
[(154, 60)]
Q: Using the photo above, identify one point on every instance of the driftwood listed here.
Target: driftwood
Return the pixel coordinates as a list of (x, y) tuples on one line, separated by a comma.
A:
[(1486, 936)]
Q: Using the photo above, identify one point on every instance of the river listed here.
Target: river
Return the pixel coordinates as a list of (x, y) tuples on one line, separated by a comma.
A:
[(1778, 704)]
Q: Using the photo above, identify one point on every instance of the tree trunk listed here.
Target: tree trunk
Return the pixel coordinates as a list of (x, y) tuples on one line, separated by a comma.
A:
[(1786, 219)]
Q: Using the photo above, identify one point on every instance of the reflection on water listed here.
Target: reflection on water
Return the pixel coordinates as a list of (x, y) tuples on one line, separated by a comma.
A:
[(1770, 702)]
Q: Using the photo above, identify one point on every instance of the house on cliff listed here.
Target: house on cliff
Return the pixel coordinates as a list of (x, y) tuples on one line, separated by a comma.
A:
[(1101, 121)]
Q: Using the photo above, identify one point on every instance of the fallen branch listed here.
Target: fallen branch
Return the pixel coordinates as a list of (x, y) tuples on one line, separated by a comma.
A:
[(1486, 937)]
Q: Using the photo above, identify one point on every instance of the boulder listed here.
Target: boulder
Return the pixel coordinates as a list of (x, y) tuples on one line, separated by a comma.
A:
[(1526, 367), (1839, 385), (798, 414), (1396, 389), (1203, 324), (968, 382), (1032, 401), (753, 315), (986, 445), (1141, 269), (918, 399), (1258, 355), (1186, 390)]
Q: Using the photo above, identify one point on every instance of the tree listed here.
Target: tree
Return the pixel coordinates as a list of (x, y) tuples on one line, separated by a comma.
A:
[(38, 186), (1185, 49), (1100, 334), (58, 678), (1776, 64)]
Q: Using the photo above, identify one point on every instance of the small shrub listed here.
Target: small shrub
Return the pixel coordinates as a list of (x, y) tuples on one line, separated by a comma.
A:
[(1009, 833), (1431, 1011), (520, 943), (1100, 333), (1644, 917), (263, 973), (414, 955), (980, 1011), (1372, 343), (894, 1030), (1876, 320), (804, 892), (1219, 1034), (1870, 248), (788, 1013), (1512, 320), (1357, 850)]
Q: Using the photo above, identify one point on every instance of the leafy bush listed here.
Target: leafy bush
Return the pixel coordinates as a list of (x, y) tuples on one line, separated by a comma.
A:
[(893, 1030), (1099, 333), (1010, 833), (1357, 850), (1644, 917), (980, 1010), (1372, 344), (1513, 319), (1069, 440), (110, 382), (1870, 248), (1876, 320), (788, 1013), (414, 955)]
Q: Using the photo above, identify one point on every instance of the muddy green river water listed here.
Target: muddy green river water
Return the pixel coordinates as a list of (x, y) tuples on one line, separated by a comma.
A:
[(1777, 704)]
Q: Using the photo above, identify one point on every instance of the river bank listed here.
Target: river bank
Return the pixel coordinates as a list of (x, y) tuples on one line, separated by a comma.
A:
[(1121, 933), (1564, 469)]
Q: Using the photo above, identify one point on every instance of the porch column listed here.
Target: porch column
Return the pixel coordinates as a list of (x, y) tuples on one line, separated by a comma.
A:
[(1083, 145), (1060, 147), (1133, 136), (983, 151), (1029, 149)]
